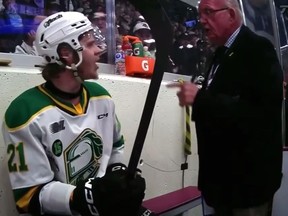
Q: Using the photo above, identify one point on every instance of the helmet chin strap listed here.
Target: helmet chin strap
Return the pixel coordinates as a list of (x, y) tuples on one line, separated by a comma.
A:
[(75, 73), (73, 67)]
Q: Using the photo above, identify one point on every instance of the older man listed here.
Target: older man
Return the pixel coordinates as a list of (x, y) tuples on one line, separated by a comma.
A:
[(237, 114)]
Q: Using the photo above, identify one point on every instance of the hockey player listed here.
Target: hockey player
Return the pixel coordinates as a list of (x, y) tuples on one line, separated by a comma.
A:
[(63, 137)]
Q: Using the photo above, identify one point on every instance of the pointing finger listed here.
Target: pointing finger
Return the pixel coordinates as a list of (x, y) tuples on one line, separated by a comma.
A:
[(173, 85)]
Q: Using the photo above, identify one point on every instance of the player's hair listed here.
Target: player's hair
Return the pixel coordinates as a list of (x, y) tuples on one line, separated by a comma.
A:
[(52, 70)]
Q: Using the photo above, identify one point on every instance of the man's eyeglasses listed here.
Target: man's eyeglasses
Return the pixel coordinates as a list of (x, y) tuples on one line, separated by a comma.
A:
[(208, 11)]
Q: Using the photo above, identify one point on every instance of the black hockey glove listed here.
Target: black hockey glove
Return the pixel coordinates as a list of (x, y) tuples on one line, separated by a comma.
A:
[(113, 194)]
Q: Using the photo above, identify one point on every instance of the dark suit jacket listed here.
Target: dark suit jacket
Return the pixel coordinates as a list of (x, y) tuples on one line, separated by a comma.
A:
[(238, 125)]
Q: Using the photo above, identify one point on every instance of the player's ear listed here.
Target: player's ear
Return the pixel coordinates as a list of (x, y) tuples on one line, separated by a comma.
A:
[(66, 54)]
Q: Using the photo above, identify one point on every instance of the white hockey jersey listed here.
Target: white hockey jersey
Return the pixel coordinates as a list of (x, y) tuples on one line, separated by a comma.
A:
[(51, 140)]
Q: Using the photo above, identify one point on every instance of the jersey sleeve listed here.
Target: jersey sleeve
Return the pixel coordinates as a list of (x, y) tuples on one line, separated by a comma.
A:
[(28, 164), (29, 169)]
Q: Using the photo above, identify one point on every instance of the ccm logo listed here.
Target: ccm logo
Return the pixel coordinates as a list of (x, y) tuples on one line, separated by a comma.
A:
[(145, 65), (89, 198), (102, 116)]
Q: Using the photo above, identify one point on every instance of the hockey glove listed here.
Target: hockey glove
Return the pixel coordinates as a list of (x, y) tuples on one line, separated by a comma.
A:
[(113, 194)]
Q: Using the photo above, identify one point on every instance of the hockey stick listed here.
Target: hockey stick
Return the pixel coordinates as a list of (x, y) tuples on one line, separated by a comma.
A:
[(162, 32)]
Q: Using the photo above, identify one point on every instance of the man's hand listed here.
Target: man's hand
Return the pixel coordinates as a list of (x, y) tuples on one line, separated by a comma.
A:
[(187, 92), (30, 38)]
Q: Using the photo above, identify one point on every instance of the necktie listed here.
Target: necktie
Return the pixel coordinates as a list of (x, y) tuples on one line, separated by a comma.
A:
[(218, 55)]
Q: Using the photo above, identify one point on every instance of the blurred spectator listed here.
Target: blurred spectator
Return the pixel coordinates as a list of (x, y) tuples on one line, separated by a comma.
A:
[(11, 26), (27, 46), (99, 19), (52, 7), (143, 32), (85, 6), (10, 15), (28, 9), (137, 18), (99, 7), (186, 55), (125, 16)]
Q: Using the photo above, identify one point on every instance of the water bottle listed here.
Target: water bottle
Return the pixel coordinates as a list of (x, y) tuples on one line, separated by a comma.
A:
[(147, 52), (126, 46), (120, 61)]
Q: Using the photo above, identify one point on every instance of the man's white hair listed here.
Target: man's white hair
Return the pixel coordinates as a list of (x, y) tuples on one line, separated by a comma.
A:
[(234, 4)]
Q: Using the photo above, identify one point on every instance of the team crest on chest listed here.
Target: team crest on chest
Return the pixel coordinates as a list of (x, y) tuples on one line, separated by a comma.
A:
[(82, 156)]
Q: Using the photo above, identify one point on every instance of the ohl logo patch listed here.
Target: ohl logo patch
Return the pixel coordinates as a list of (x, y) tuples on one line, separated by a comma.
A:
[(82, 156), (57, 127)]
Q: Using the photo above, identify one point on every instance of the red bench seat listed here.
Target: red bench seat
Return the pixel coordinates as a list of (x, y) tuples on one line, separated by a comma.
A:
[(175, 202)]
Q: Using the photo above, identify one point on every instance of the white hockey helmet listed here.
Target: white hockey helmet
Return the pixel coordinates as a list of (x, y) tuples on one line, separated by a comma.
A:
[(63, 27)]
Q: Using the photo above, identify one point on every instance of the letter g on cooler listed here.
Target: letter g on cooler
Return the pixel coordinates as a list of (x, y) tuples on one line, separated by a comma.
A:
[(145, 65)]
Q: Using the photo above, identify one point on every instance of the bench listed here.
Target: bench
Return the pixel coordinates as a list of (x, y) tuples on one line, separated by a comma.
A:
[(174, 203)]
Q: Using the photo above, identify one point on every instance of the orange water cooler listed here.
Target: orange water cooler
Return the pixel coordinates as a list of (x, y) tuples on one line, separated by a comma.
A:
[(137, 64)]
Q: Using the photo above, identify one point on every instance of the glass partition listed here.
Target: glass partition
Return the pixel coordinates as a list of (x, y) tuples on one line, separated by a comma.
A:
[(282, 19), (269, 19), (19, 20), (284, 55), (190, 47), (118, 18), (282, 6), (258, 17)]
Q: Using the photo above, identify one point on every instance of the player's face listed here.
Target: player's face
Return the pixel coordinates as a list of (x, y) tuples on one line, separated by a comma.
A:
[(90, 54)]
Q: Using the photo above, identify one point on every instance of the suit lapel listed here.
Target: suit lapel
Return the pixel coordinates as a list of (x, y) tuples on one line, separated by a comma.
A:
[(208, 67), (232, 50)]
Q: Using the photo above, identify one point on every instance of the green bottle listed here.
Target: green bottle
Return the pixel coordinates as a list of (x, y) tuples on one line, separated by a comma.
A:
[(138, 49)]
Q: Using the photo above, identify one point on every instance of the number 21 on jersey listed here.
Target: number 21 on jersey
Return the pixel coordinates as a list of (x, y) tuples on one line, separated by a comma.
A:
[(16, 153)]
